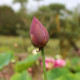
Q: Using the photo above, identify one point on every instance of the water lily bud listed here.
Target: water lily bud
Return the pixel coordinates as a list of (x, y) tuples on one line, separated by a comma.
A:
[(38, 34)]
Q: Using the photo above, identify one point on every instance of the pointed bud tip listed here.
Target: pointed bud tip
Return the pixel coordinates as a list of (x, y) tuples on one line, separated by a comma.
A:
[(34, 18)]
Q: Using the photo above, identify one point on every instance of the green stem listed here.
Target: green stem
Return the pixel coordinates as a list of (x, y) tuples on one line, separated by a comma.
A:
[(44, 67)]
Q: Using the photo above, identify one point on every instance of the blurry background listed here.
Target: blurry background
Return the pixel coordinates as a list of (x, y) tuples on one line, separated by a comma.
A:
[(60, 17)]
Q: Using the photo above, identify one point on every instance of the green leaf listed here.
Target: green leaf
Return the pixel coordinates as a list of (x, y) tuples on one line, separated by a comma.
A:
[(75, 60), (56, 73), (25, 64), (69, 77), (78, 76), (62, 74), (75, 64), (5, 59), (21, 76)]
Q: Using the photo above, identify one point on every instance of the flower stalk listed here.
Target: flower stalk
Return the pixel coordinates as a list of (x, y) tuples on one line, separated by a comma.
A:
[(44, 67)]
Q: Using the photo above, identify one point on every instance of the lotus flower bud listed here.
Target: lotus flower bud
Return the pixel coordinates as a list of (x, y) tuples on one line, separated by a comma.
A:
[(49, 62), (60, 63), (38, 34)]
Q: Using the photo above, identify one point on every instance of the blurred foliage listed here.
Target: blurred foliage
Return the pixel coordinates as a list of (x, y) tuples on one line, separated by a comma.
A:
[(25, 64), (9, 21), (55, 17), (21, 1), (75, 65), (23, 6), (21, 76), (17, 45), (62, 74), (71, 72), (5, 59)]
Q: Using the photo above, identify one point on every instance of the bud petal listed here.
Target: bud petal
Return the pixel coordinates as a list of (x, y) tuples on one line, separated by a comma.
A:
[(38, 34)]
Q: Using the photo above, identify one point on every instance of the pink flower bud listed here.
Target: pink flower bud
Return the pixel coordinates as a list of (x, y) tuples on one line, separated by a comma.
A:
[(60, 63), (38, 34), (49, 62)]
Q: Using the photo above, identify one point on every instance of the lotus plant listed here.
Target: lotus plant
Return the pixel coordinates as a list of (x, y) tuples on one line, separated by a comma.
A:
[(49, 63), (39, 38), (59, 63), (52, 63)]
